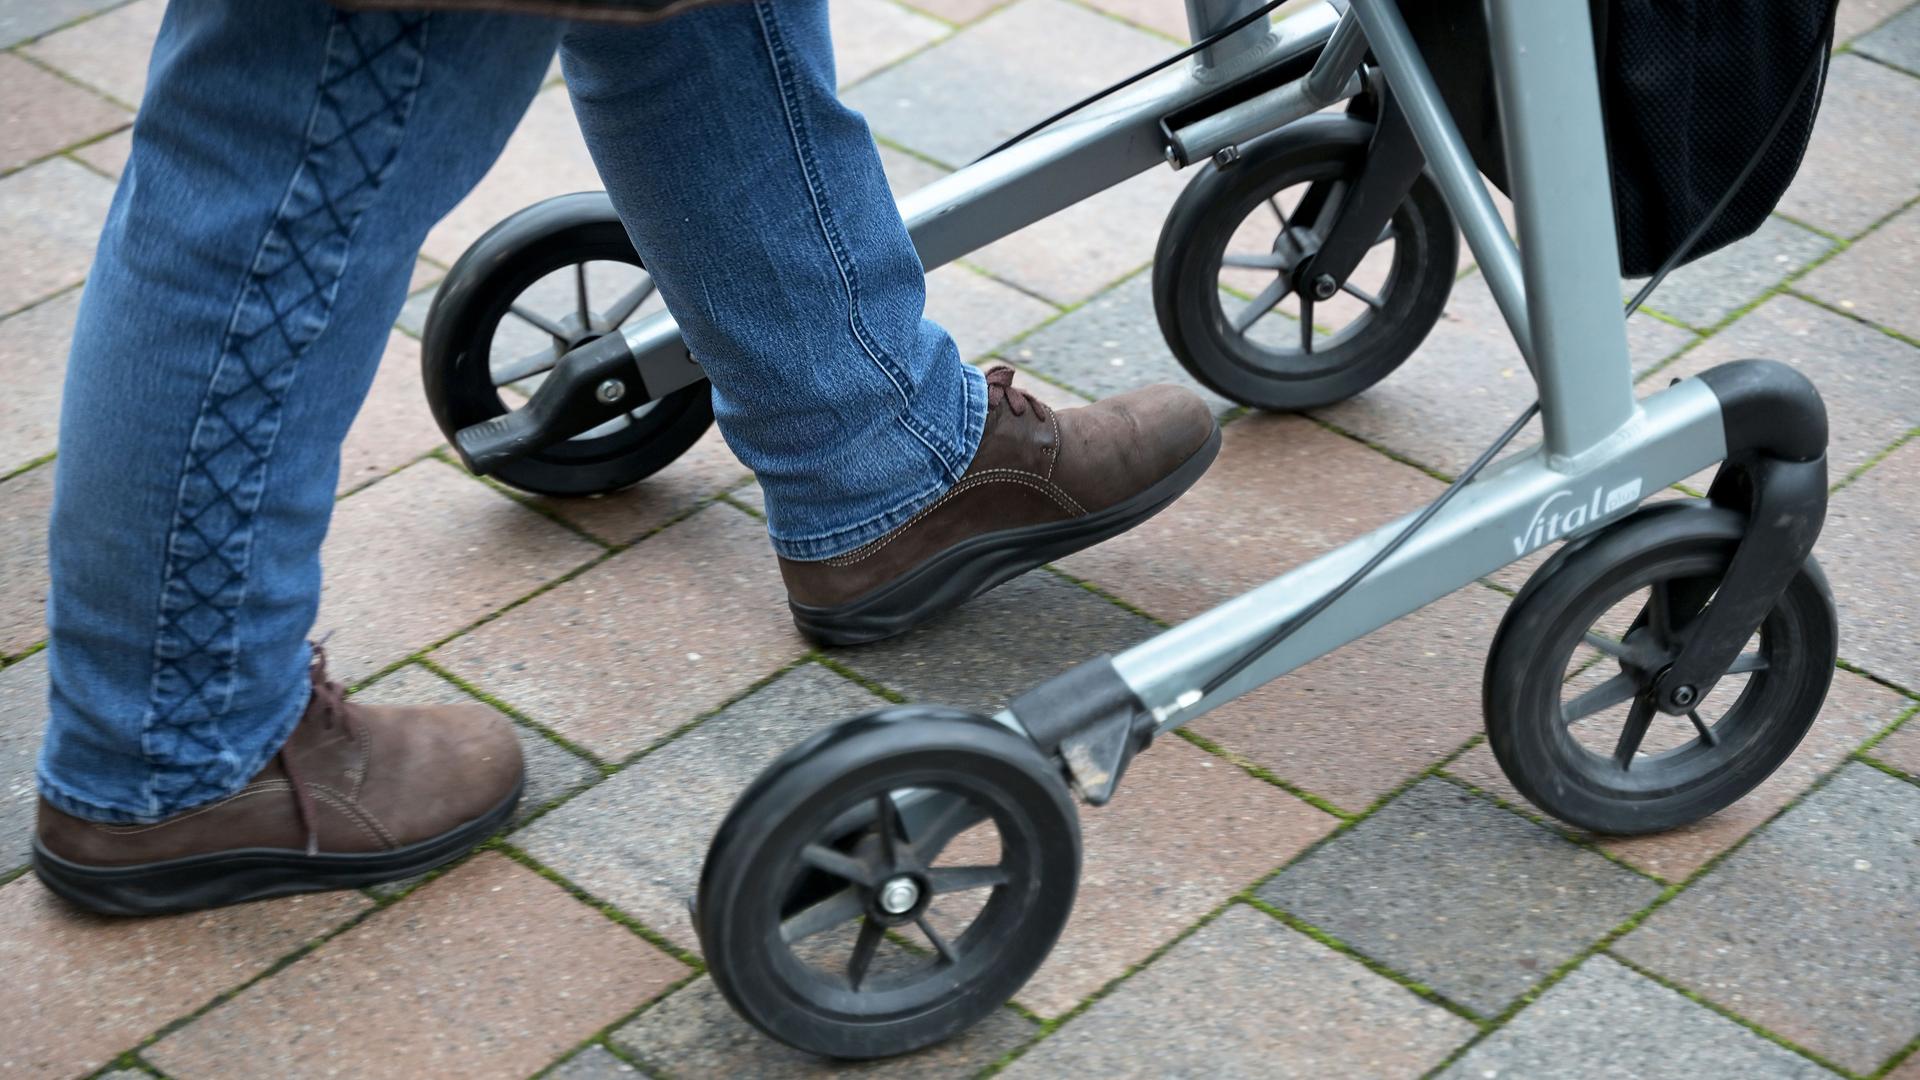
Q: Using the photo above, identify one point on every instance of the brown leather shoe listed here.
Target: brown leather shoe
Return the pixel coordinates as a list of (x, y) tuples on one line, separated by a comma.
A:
[(358, 795), (1043, 484)]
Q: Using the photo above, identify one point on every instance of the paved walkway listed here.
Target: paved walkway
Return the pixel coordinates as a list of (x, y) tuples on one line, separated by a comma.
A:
[(1329, 879)]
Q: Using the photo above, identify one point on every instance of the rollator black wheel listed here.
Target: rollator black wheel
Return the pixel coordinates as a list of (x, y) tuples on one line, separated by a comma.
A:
[(888, 883), (1567, 709), (1222, 277), (547, 280)]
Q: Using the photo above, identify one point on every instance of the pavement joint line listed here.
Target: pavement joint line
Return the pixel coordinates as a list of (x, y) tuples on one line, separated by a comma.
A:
[(1885, 767), (609, 910), (1056, 308), (1405, 982), (389, 474), (68, 25), (1847, 665), (1884, 733), (1853, 315), (1861, 469), (29, 466), (603, 1038), (38, 301), (871, 686), (60, 73), (947, 31), (527, 500), (67, 152), (1899, 1058), (1888, 64), (129, 1061), (1109, 597), (8, 877), (8, 661), (1811, 227), (433, 668), (1431, 472), (1261, 772), (1528, 812), (1112, 16)]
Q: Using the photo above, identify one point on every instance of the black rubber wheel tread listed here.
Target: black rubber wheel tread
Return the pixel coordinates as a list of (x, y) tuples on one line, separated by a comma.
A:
[(1522, 692), (752, 864), (455, 350), (1186, 270)]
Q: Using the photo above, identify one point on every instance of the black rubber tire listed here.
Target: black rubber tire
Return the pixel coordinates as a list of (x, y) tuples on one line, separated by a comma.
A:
[(1690, 542), (1186, 270), (754, 871), (467, 309)]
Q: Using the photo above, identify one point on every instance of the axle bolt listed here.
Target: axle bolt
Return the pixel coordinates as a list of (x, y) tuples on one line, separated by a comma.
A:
[(898, 896), (1324, 287), (1684, 695), (1226, 156), (610, 391)]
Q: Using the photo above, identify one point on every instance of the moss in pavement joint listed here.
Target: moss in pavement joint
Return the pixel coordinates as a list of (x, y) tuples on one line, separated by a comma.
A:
[(1260, 772), (646, 933), (1758, 1029), (26, 467), (1418, 988), (852, 676)]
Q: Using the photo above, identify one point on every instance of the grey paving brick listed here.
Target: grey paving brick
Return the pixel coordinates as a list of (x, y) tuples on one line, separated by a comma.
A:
[(593, 1063), (1706, 291), (1859, 166), (1896, 41), (26, 501), (23, 713), (980, 312), (107, 52), (1810, 928), (51, 215), (60, 115), (1858, 16), (1606, 1018), (33, 364), (1902, 748), (693, 1032), (1866, 547), (1470, 899), (1108, 345), (870, 34), (552, 770), (637, 840), (999, 645), (21, 21), (1878, 278), (1246, 996)]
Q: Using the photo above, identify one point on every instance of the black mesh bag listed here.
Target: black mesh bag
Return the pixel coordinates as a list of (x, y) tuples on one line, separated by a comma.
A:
[(1690, 90)]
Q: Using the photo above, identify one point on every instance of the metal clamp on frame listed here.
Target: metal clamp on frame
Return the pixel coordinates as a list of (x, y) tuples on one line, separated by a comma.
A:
[(1091, 719)]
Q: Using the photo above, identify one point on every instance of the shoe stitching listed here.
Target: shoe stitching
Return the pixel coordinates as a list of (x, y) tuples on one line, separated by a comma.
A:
[(978, 480), (352, 812)]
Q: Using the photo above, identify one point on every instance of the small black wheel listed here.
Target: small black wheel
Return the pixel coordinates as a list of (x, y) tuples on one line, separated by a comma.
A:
[(1223, 284), (526, 293), (889, 882), (1568, 709)]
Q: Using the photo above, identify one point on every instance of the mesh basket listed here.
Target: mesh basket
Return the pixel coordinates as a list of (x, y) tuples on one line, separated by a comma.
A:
[(1689, 91)]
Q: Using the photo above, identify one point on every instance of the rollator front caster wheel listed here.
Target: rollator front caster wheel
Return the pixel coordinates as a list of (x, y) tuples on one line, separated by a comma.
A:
[(545, 281), (1567, 709), (889, 882), (1223, 277)]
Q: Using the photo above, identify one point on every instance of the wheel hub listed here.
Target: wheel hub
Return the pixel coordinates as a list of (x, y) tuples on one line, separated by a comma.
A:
[(898, 896)]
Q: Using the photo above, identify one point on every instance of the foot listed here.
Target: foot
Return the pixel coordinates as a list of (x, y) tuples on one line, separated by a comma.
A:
[(1042, 485), (358, 795)]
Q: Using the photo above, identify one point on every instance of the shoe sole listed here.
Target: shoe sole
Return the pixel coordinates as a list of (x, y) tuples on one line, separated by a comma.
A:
[(219, 878), (980, 563)]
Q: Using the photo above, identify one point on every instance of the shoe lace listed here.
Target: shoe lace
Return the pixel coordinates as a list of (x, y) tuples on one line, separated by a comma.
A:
[(329, 704), (1000, 388)]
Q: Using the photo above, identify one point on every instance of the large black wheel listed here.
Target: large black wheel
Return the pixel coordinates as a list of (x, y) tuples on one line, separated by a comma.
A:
[(545, 281), (888, 883), (1568, 709), (1223, 283)]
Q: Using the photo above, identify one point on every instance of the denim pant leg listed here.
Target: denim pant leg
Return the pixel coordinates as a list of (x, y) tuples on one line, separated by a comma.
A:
[(757, 200), (286, 165)]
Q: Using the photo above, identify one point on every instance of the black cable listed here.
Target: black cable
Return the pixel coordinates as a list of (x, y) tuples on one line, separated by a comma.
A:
[(1206, 42)]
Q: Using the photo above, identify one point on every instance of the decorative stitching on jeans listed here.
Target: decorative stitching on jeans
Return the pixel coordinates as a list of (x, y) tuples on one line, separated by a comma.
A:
[(980, 479), (781, 60), (366, 89)]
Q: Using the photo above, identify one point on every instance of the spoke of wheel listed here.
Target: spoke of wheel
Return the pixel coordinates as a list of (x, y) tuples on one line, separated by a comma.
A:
[(580, 294), (950, 879), (623, 308), (1386, 234), (527, 366), (1278, 213), (1306, 324), (1660, 611), (1752, 661), (1638, 719), (1605, 696), (825, 915), (1615, 649), (1699, 725), (1268, 299), (887, 820), (947, 952), (1270, 261), (863, 950), (1361, 294), (840, 865), (540, 321)]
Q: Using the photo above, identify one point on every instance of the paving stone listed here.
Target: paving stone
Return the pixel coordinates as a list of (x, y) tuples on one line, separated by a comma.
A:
[(593, 1063), (1908, 1070), (110, 154), (1246, 996), (26, 501), (1866, 548), (980, 312), (1870, 382), (1000, 645), (627, 652), (395, 426), (1896, 42), (957, 11), (1810, 928), (51, 215), (1090, 245), (546, 156), (489, 970), (80, 989), (1359, 722), (1858, 168), (637, 840), (33, 365), (1900, 749), (1166, 19), (1606, 1017), (1704, 292), (1283, 490), (107, 52), (694, 1032), (1859, 16), (60, 113), (422, 554), (1467, 381), (552, 769), (624, 516), (906, 173), (23, 715), (1465, 897), (1109, 345), (1855, 710), (870, 34), (1186, 831), (1877, 278), (20, 22)]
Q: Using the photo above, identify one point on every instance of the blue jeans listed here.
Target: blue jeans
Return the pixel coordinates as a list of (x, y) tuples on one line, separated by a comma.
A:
[(287, 164)]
